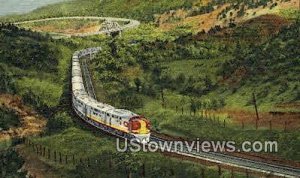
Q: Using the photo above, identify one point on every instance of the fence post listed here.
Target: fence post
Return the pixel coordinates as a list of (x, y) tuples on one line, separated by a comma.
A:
[(219, 170), (172, 172), (49, 155), (202, 173), (285, 123), (54, 156), (256, 124), (37, 149), (66, 159), (224, 123), (143, 170), (247, 173), (60, 160), (110, 163), (41, 150), (270, 123)]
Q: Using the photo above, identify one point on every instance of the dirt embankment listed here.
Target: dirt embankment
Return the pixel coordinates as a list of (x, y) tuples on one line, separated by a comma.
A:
[(276, 120), (88, 28), (206, 21), (31, 122)]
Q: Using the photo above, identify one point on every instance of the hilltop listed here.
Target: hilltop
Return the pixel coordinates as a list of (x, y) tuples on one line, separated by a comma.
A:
[(204, 16)]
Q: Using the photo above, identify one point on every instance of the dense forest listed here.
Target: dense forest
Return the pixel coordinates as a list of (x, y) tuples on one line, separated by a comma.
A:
[(31, 66), (276, 63), (10, 164), (246, 64), (164, 73), (8, 119), (26, 50)]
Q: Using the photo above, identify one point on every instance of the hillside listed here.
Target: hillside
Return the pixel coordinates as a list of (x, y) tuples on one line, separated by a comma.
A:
[(222, 13), (143, 10), (174, 77), (191, 68)]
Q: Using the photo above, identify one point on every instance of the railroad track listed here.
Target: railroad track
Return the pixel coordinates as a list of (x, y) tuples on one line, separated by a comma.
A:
[(213, 157), (87, 78), (238, 162), (129, 23)]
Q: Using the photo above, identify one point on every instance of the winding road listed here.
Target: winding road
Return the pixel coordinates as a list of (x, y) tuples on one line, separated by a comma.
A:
[(213, 157)]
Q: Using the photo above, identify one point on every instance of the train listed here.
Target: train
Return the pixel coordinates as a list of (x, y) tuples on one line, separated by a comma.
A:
[(119, 122)]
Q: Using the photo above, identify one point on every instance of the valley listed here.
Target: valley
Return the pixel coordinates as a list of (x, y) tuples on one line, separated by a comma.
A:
[(192, 68)]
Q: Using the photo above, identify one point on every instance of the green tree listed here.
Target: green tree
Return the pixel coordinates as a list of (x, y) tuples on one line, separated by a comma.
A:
[(6, 80), (194, 106), (129, 161), (138, 84), (10, 164), (59, 122)]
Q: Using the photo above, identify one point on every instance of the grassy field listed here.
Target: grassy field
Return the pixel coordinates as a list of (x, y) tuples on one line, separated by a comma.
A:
[(65, 26), (74, 141), (141, 10)]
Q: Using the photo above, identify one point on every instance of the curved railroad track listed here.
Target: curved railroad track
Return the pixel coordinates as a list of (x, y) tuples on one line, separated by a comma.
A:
[(213, 157), (129, 23)]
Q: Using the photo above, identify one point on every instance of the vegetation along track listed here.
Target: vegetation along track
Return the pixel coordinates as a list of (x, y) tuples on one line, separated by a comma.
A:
[(214, 157)]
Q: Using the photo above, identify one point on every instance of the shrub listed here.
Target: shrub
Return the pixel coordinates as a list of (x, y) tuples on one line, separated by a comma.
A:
[(11, 163), (59, 122)]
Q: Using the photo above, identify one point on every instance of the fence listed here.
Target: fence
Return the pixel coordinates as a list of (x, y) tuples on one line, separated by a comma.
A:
[(269, 124), (54, 155), (64, 159)]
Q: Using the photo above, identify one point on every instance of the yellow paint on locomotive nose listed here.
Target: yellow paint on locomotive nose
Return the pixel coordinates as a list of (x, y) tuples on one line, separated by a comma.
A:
[(143, 129)]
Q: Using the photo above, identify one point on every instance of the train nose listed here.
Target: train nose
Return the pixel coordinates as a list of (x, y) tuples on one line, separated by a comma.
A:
[(144, 127), (139, 126)]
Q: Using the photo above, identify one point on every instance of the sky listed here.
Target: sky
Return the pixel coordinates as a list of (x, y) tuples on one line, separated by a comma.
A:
[(8, 7)]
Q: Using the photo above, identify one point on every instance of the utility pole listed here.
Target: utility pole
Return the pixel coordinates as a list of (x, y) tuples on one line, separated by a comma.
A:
[(255, 106)]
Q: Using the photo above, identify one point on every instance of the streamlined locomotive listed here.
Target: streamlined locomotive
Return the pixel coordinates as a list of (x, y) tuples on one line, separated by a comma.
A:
[(119, 122)]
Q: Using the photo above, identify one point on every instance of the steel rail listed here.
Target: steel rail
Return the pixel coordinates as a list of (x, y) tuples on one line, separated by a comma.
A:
[(222, 158)]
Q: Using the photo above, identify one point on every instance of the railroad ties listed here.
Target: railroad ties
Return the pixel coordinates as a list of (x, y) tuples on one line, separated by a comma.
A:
[(110, 27), (87, 78)]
